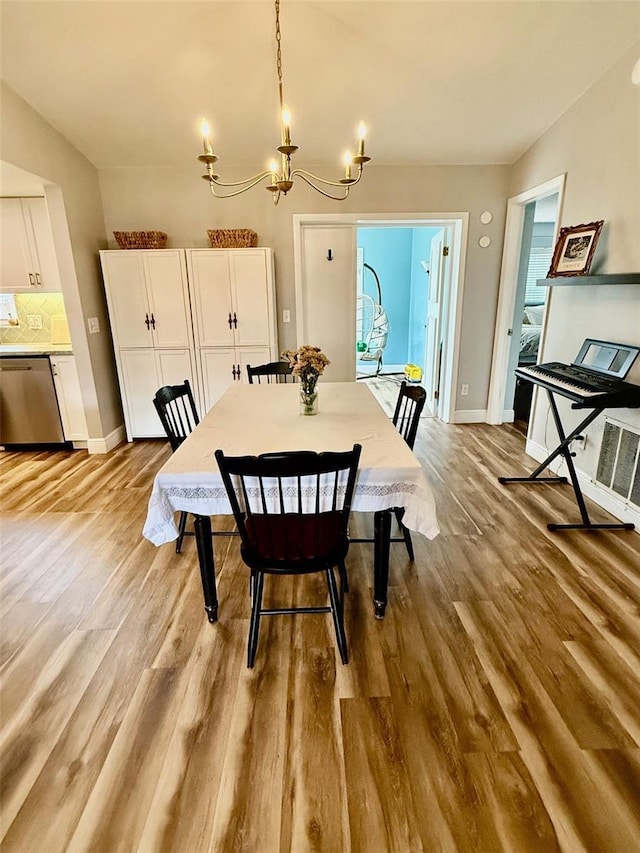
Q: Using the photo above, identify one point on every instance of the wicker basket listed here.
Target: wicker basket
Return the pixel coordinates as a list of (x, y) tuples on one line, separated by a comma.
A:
[(141, 239), (232, 238)]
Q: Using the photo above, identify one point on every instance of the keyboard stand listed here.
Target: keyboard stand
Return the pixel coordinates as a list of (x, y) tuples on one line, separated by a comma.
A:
[(564, 449)]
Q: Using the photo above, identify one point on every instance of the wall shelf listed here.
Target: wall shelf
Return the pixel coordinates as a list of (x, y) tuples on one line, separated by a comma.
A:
[(589, 280)]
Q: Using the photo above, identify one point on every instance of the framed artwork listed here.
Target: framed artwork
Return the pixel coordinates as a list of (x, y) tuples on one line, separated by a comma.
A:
[(574, 250)]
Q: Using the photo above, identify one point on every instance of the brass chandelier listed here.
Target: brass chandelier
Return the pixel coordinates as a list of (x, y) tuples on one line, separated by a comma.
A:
[(281, 177)]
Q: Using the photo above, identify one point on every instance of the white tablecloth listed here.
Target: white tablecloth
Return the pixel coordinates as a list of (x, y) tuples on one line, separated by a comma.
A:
[(254, 419)]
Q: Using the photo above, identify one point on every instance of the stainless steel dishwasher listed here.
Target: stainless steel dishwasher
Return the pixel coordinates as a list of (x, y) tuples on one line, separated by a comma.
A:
[(29, 411)]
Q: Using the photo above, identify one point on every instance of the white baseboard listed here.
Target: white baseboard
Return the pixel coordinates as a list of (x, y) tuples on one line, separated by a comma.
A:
[(470, 416), (509, 416), (106, 444), (619, 508)]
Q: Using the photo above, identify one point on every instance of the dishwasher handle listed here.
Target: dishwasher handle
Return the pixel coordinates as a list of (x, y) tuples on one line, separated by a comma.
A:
[(13, 367)]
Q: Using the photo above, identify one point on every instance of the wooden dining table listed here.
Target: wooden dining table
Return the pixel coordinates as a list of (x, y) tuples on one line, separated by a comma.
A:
[(254, 419)]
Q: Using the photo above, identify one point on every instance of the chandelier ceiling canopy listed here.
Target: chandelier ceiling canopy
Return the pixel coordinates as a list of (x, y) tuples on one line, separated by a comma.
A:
[(280, 175)]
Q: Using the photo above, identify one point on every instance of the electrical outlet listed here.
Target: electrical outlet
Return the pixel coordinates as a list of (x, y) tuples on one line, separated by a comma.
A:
[(94, 325), (286, 316), (464, 390), (579, 442), (34, 321)]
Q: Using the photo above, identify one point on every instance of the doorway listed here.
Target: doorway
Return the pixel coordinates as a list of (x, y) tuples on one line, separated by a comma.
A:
[(531, 226), (328, 283)]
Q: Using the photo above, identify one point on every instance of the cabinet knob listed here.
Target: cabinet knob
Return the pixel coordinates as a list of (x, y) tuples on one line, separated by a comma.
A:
[(38, 280), (235, 321), (146, 321), (32, 281), (153, 321), (233, 369), (229, 321)]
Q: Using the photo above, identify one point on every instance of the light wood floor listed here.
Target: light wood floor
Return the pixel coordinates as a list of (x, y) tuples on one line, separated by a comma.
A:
[(496, 708)]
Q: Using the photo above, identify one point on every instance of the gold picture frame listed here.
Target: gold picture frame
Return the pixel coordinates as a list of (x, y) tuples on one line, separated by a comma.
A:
[(574, 249)]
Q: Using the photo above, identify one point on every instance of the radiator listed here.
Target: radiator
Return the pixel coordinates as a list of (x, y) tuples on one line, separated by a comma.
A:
[(618, 463)]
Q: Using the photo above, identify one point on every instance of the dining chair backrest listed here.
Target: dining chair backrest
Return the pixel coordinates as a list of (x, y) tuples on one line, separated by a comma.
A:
[(411, 400), (291, 508), (177, 412), (274, 371)]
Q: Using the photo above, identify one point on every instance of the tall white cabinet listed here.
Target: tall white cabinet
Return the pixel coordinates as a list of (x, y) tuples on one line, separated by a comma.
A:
[(197, 314), (233, 297), (150, 313)]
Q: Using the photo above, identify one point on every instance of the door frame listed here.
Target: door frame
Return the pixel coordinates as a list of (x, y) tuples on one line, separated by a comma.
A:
[(456, 225), (507, 290)]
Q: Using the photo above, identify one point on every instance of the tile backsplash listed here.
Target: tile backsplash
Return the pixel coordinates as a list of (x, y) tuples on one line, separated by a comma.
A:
[(45, 309)]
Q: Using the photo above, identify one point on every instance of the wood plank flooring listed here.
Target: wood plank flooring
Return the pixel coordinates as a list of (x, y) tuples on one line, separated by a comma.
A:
[(496, 708)]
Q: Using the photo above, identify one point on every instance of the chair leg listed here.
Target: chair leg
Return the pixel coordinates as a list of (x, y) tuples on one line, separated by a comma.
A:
[(337, 612), (182, 524), (399, 513), (344, 579), (254, 627)]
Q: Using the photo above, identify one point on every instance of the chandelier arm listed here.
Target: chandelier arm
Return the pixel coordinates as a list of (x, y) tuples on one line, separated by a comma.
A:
[(309, 176), (247, 183), (305, 177)]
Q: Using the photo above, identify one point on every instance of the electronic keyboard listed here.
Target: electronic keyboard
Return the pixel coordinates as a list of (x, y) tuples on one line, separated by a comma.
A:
[(587, 389)]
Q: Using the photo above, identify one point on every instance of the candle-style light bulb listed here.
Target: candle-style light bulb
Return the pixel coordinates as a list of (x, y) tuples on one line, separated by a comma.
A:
[(273, 168), (205, 130), (362, 133), (286, 125), (347, 165)]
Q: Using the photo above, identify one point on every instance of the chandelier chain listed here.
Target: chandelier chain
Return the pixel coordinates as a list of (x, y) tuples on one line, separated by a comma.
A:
[(279, 54)]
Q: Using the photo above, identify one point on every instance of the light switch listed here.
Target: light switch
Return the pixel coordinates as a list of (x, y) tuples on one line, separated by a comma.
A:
[(94, 325), (286, 316)]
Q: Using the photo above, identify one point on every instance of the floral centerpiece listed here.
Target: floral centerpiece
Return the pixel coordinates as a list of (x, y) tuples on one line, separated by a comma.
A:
[(308, 364)]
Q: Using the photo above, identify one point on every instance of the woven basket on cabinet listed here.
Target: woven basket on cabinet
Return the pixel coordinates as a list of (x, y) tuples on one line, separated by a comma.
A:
[(141, 239), (232, 238)]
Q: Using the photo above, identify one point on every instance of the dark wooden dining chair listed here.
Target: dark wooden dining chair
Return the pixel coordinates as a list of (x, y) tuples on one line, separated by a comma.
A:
[(274, 371), (292, 513), (406, 418), (177, 411)]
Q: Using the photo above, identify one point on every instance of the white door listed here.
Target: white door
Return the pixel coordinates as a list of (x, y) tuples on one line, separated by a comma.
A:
[(253, 356), (65, 379), (127, 297), (168, 297), (141, 381), (219, 369), (15, 257), (211, 282), (432, 355), (250, 290), (326, 299), (38, 227)]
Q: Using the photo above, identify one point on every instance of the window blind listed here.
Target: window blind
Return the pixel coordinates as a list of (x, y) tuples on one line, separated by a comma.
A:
[(539, 263)]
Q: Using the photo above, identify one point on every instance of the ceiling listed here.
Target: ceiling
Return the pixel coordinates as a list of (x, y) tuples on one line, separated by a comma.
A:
[(437, 82)]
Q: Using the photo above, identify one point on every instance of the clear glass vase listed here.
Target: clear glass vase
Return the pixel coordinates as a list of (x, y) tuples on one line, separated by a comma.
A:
[(308, 401)]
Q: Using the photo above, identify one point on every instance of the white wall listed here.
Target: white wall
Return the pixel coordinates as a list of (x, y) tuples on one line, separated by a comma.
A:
[(177, 201), (597, 143), (75, 209)]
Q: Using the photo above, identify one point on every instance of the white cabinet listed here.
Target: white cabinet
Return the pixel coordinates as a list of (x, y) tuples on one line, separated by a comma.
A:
[(143, 371), (150, 313), (27, 253), (220, 366), (233, 295), (67, 385), (148, 298), (196, 314)]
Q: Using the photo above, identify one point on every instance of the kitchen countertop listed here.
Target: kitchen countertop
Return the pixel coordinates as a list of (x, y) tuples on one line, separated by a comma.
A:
[(35, 349)]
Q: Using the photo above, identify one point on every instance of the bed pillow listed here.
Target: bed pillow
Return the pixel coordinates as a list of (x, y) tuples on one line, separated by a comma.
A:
[(533, 313)]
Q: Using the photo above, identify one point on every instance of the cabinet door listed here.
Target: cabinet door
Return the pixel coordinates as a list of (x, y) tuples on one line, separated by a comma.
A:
[(209, 269), (251, 297), (127, 299), (65, 378), (38, 226), (252, 356), (219, 370), (143, 372), (16, 274), (168, 297)]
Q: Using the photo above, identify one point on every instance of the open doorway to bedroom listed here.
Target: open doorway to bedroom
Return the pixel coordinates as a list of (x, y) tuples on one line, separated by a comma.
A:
[(394, 331)]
